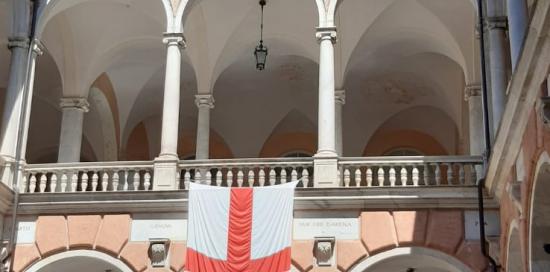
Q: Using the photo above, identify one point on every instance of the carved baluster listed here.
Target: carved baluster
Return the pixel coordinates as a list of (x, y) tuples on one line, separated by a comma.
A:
[(240, 178), (437, 174), (24, 184), (261, 177), (115, 181), (104, 181), (208, 177), (426, 174), (357, 177), (338, 177), (198, 176), (415, 176), (380, 176), (272, 177), (179, 182), (369, 177), (74, 182), (346, 178), (186, 179), (473, 179), (229, 177), (450, 174), (84, 183), (283, 176), (95, 179), (393, 178), (64, 182), (43, 181), (305, 177), (53, 183), (147, 181), (32, 186), (461, 175), (126, 181), (404, 176), (136, 180), (251, 178), (293, 175), (219, 177)]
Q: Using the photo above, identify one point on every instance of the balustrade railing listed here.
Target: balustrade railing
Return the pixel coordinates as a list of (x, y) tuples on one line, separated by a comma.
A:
[(246, 172), (409, 171), (93, 177)]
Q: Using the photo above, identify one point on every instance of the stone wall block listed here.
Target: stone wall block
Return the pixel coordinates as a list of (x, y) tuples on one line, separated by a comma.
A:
[(410, 227), (348, 253), (51, 234), (83, 230), (24, 256), (470, 254), (177, 255), (445, 230), (302, 255), (136, 255), (377, 231), (114, 233)]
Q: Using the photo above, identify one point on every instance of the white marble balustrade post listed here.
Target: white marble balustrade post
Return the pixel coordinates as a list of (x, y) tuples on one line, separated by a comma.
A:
[(325, 162), (166, 164), (340, 97), (204, 102), (517, 24), (70, 139)]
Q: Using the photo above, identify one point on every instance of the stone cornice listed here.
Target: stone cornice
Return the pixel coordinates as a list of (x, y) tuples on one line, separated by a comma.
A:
[(204, 101), (78, 103)]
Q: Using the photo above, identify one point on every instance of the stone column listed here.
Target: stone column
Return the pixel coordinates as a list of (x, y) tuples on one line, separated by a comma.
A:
[(472, 94), (204, 102), (70, 139), (166, 164), (340, 96), (517, 24), (496, 24), (325, 163)]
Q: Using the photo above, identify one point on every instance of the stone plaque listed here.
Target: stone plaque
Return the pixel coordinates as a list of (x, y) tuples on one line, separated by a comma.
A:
[(471, 222), (26, 231), (340, 228), (146, 229)]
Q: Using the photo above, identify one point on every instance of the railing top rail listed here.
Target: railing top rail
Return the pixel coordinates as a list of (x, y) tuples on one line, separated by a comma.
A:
[(411, 159), (245, 162), (89, 165)]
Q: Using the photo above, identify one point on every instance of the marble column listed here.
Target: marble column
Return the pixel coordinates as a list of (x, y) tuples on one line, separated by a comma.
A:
[(340, 97), (472, 94), (165, 167), (70, 139), (325, 163), (18, 44), (496, 24), (517, 24), (204, 102)]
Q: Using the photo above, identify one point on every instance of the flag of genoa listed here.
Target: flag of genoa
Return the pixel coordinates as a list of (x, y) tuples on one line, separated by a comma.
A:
[(239, 229)]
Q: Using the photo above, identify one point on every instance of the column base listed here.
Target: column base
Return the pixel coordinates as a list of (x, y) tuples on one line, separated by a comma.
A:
[(326, 172), (165, 173)]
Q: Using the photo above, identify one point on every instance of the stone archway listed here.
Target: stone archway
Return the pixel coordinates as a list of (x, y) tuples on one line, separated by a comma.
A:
[(539, 224), (411, 259), (79, 260)]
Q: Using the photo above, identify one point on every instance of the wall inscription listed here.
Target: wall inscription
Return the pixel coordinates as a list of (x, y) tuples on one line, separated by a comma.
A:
[(145, 229), (26, 231), (341, 228)]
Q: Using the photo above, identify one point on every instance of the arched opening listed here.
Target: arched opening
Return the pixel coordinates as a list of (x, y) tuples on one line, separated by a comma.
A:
[(80, 260), (539, 230), (411, 259)]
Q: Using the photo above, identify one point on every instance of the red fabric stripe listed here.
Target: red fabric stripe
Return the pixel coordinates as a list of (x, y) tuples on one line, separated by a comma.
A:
[(197, 262), (240, 230), (278, 262)]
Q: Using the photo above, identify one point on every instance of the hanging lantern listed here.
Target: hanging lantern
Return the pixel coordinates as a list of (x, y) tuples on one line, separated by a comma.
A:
[(260, 52)]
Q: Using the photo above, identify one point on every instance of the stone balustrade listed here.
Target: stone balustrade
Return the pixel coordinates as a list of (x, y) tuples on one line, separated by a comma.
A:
[(93, 177), (353, 172), (410, 171), (247, 172)]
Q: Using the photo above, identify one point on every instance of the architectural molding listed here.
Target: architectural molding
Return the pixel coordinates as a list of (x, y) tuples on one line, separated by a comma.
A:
[(472, 90), (340, 97), (204, 101), (18, 41), (494, 22), (78, 103), (324, 33), (79, 253), (174, 39)]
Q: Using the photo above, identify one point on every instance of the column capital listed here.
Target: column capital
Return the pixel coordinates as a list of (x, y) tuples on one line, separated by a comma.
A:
[(204, 101), (340, 96), (174, 39), (37, 47), (78, 103), (494, 22), (472, 90), (325, 33), (18, 41)]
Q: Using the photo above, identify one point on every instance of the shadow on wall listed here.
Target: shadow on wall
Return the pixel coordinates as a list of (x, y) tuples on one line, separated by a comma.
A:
[(383, 142)]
